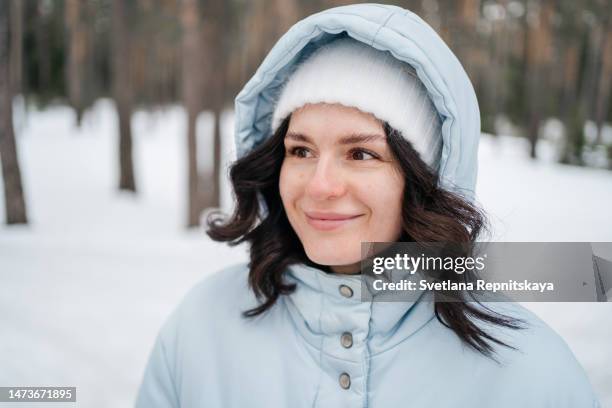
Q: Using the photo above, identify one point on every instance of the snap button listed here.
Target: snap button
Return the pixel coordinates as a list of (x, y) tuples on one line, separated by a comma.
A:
[(346, 340), (345, 381), (345, 291)]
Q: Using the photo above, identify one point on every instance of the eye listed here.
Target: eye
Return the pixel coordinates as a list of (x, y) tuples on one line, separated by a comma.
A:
[(299, 151), (362, 154)]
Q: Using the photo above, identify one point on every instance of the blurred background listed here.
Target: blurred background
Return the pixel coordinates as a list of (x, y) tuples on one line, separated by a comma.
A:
[(116, 128)]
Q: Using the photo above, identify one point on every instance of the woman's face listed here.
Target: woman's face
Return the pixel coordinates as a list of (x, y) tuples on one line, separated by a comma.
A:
[(340, 184)]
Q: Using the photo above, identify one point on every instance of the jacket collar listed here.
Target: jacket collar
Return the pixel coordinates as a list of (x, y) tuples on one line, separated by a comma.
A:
[(319, 309)]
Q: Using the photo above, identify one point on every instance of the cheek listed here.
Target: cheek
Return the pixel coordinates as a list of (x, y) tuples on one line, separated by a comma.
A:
[(396, 196), (284, 185), (385, 199), (289, 185)]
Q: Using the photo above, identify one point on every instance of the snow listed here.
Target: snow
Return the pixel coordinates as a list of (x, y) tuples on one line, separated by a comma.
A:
[(86, 286), (536, 201)]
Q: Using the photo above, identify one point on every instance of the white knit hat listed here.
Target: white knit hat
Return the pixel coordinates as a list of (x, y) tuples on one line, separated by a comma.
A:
[(353, 74)]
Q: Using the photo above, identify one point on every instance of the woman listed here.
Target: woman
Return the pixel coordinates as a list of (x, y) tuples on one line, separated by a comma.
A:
[(360, 125)]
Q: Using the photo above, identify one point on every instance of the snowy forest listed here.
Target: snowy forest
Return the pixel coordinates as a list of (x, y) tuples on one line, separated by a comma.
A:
[(531, 62), (116, 133)]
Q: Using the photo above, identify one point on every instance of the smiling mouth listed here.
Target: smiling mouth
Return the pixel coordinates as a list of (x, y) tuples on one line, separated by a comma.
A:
[(328, 222)]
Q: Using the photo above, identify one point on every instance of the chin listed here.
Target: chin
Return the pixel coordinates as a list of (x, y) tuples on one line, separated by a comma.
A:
[(332, 255)]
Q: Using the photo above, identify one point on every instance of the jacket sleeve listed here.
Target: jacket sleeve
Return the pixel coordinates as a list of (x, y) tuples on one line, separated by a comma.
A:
[(158, 389)]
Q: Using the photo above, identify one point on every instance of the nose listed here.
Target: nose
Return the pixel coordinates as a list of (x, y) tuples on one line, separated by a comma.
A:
[(327, 180)]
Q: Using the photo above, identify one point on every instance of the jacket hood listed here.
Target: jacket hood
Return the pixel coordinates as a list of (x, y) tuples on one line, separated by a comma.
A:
[(388, 28)]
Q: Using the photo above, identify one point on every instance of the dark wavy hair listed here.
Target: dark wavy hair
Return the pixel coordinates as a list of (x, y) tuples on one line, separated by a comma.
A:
[(429, 214)]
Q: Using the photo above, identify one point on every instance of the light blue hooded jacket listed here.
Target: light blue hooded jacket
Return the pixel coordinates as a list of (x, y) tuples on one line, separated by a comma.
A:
[(398, 354)]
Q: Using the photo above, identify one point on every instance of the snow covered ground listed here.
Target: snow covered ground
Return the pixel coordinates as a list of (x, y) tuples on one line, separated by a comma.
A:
[(85, 287)]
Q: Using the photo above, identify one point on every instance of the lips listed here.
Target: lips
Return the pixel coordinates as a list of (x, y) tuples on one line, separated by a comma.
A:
[(326, 221)]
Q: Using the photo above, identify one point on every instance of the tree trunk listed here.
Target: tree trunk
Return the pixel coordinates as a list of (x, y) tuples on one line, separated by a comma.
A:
[(212, 196), (570, 108), (570, 77), (122, 94), (605, 81), (16, 48), (217, 158), (191, 97), (43, 51), (15, 207), (539, 54), (534, 104), (76, 56), (214, 34), (593, 69)]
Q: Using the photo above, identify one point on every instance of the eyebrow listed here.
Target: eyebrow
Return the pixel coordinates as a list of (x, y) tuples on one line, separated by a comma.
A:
[(353, 138)]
